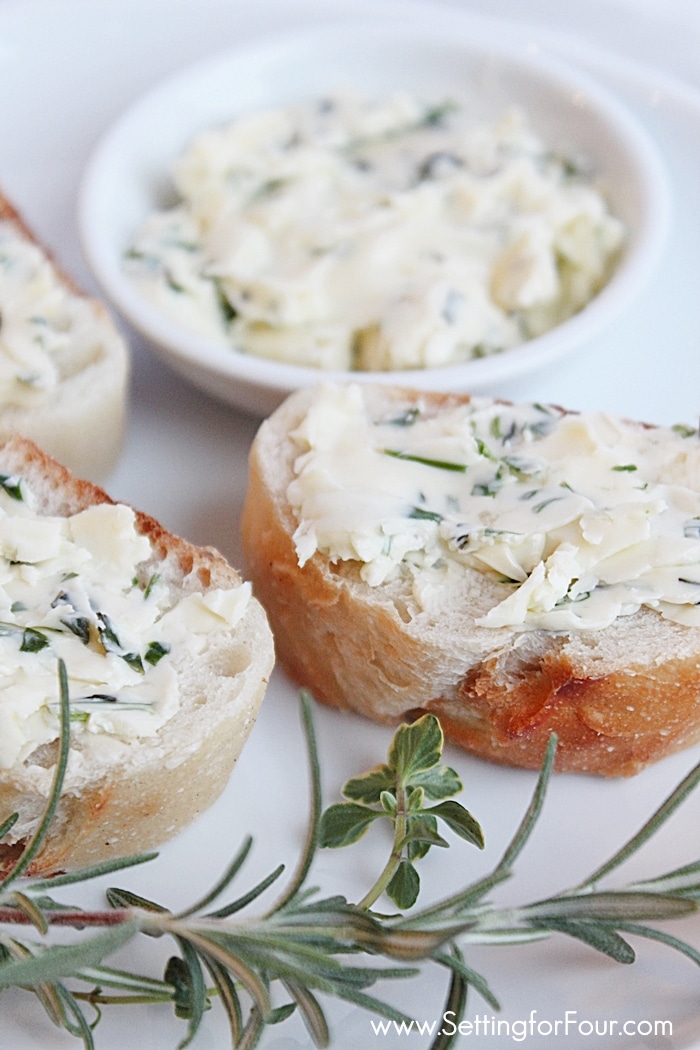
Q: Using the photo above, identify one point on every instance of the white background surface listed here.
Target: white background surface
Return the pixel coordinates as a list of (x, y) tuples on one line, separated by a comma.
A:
[(67, 68)]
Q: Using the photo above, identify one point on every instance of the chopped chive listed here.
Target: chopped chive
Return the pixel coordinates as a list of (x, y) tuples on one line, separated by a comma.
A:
[(151, 584), (483, 449), (545, 503), (425, 515), (439, 464)]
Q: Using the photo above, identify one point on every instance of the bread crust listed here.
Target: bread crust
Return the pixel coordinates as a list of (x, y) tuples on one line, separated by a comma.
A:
[(164, 781), (82, 423), (618, 699)]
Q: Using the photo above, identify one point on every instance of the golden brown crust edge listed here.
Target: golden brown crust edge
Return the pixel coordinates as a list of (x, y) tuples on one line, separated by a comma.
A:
[(9, 213), (139, 806), (358, 655)]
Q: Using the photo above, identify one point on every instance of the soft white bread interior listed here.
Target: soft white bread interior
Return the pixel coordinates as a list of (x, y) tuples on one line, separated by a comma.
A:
[(619, 695), (63, 363), (142, 765)]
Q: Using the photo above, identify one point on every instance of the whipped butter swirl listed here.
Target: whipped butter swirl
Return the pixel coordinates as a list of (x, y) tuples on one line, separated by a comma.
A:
[(47, 332), (80, 588), (375, 235), (582, 517)]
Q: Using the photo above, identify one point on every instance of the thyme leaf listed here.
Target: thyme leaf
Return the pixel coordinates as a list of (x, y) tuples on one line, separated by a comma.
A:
[(419, 514)]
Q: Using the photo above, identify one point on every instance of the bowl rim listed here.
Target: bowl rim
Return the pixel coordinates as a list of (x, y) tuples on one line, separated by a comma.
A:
[(187, 350)]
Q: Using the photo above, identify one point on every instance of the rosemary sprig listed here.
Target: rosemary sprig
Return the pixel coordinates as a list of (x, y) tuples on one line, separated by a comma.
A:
[(304, 946)]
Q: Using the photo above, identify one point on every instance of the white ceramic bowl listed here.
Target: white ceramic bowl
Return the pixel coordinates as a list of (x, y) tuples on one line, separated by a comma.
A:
[(127, 177)]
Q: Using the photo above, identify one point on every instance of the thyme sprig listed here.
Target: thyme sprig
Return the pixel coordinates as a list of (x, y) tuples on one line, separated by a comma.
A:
[(397, 790), (305, 946)]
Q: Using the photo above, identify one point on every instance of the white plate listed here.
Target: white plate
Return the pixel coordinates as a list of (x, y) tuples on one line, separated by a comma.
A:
[(128, 176), (185, 463)]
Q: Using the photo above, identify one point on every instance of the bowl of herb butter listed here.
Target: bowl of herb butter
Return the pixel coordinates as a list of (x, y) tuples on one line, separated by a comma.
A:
[(366, 201)]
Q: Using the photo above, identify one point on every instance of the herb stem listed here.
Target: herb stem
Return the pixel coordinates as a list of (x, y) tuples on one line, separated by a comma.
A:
[(396, 855), (37, 840), (101, 999), (76, 919)]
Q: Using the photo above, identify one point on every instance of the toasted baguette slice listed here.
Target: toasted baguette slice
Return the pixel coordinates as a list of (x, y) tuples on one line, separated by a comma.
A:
[(618, 697), (126, 788), (71, 399)]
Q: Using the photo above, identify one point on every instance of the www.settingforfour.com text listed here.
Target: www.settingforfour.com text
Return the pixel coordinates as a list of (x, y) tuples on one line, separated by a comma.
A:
[(486, 1025)]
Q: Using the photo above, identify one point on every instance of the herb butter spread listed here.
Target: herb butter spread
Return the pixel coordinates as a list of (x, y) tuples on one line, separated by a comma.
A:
[(579, 518), (46, 332), (375, 235), (76, 588)]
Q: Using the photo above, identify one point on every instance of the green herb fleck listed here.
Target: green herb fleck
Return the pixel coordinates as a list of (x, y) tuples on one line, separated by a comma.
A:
[(33, 641), (439, 464), (151, 584), (419, 514), (107, 633), (483, 449), (111, 644), (539, 507), (521, 468), (488, 488), (405, 419), (434, 116), (155, 652), (80, 627), (226, 307), (134, 661), (173, 284), (267, 189), (12, 484)]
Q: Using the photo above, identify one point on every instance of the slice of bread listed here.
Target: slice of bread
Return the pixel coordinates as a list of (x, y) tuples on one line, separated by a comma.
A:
[(172, 619), (620, 693), (63, 364)]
